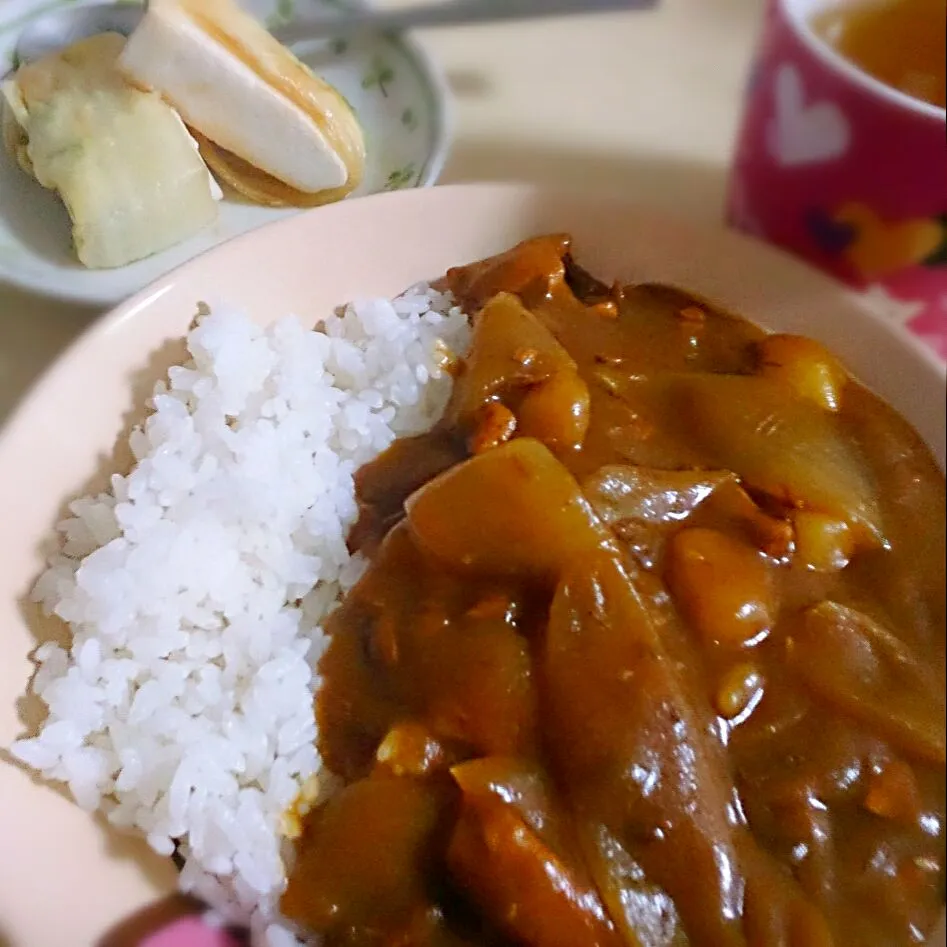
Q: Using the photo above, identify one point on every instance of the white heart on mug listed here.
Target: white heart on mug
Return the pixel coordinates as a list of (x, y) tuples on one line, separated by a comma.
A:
[(804, 134)]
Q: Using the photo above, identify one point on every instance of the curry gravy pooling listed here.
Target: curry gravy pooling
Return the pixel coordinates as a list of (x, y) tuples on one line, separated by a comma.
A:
[(650, 650)]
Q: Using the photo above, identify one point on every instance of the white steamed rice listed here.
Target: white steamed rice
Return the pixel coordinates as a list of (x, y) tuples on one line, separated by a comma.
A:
[(196, 587)]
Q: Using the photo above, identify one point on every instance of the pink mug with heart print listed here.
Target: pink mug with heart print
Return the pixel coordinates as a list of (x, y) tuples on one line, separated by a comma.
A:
[(844, 171)]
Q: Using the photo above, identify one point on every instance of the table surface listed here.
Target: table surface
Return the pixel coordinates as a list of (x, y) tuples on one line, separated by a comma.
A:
[(640, 104)]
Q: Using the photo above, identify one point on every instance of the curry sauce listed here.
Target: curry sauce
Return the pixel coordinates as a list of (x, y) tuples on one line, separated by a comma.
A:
[(650, 649)]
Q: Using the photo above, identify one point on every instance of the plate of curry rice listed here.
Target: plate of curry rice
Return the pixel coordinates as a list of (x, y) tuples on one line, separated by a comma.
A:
[(479, 567)]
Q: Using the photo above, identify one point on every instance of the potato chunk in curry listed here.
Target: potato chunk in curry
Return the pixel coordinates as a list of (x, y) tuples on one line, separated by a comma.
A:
[(650, 649)]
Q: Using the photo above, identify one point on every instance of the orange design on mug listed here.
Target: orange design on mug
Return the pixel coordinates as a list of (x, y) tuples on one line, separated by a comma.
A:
[(882, 247)]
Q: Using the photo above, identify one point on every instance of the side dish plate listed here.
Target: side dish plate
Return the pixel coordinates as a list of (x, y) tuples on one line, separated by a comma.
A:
[(395, 89)]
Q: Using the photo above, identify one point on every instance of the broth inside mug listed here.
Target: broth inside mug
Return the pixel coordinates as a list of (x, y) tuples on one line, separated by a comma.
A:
[(899, 42)]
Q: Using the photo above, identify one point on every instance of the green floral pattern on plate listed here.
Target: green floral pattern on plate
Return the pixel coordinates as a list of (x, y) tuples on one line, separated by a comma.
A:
[(401, 178), (380, 76), (284, 13), (389, 83)]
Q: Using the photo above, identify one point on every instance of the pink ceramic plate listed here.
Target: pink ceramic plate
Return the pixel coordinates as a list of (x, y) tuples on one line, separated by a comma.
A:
[(64, 879)]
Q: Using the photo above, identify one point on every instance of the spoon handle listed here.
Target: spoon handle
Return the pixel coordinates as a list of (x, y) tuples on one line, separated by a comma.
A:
[(444, 13)]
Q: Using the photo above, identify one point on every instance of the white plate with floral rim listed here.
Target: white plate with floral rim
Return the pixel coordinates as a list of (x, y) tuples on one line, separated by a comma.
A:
[(395, 89)]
